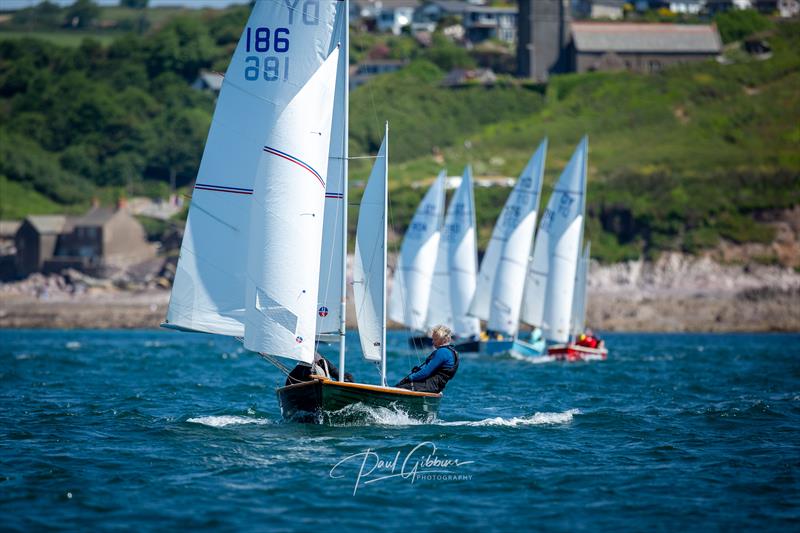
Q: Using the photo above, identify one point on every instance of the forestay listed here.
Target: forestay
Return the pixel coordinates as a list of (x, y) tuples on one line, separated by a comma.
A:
[(413, 275), (498, 296), (369, 262), (279, 50), (286, 223), (550, 281)]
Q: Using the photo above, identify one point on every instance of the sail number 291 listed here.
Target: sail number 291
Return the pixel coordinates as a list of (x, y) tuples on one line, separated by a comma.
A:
[(270, 67)]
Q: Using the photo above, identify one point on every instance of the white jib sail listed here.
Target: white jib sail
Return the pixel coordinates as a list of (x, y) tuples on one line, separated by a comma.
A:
[(330, 295), (563, 223), (578, 319), (286, 223), (369, 262), (462, 253), (413, 275), (208, 293), (498, 295)]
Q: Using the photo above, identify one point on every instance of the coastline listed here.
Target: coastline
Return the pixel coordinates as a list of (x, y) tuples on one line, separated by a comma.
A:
[(676, 293)]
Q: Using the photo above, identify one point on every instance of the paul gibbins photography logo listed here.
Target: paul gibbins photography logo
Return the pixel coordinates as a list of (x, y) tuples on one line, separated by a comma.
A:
[(422, 462)]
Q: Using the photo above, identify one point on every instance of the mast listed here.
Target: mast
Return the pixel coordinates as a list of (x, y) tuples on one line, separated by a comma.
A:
[(345, 152), (383, 267)]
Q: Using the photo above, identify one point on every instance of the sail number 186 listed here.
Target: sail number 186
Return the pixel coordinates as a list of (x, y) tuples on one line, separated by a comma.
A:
[(271, 67)]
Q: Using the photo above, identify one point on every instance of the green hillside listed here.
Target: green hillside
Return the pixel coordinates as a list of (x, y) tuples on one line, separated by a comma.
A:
[(678, 160)]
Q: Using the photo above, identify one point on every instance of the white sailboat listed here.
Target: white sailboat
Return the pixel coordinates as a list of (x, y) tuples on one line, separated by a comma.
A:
[(252, 261), (414, 272), (460, 251), (498, 296), (553, 271)]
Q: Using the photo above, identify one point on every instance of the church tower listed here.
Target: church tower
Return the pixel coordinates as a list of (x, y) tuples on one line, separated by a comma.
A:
[(543, 37)]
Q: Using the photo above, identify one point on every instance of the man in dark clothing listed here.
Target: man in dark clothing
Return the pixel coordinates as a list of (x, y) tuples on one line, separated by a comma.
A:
[(321, 366), (439, 368)]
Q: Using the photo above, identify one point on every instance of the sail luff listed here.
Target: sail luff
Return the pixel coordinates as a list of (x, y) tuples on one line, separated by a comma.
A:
[(463, 257)]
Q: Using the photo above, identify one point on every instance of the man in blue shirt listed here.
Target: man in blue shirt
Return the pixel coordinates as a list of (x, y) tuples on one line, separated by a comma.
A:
[(439, 368)]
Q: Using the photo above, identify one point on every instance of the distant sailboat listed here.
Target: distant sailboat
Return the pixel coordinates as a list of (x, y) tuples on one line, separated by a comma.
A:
[(553, 274), (252, 262), (498, 296), (414, 272)]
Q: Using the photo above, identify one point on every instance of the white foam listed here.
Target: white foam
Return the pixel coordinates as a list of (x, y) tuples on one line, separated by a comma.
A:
[(226, 420), (358, 414), (533, 360), (73, 345), (537, 419)]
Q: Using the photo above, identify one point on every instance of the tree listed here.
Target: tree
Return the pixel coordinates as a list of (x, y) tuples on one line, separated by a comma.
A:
[(134, 4), (82, 13)]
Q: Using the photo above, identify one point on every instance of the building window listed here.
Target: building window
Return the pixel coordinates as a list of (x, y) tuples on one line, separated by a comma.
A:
[(654, 66)]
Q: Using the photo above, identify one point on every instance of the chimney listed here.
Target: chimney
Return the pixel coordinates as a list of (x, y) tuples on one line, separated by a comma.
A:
[(122, 203), (95, 202)]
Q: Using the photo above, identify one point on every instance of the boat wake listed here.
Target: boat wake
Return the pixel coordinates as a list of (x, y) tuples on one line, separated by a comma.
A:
[(537, 419), (227, 420), (361, 415)]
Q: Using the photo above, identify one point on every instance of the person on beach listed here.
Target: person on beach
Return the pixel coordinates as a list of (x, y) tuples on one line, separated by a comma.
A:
[(439, 368)]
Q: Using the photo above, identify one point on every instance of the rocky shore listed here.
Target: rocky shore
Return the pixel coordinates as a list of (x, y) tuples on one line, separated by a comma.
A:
[(675, 293)]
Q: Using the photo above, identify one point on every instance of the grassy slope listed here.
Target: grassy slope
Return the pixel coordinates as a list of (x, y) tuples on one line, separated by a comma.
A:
[(18, 201)]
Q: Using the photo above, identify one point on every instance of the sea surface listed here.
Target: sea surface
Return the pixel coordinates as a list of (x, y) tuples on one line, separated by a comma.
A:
[(142, 430)]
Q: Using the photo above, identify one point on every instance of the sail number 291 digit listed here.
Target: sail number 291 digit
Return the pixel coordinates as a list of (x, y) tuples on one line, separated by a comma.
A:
[(269, 67)]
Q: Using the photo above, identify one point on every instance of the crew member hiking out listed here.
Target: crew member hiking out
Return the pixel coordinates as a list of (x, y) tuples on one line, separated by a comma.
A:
[(439, 368)]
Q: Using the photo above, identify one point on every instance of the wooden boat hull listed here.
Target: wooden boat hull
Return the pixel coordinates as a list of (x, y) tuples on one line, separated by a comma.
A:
[(573, 352), (468, 347), (321, 400)]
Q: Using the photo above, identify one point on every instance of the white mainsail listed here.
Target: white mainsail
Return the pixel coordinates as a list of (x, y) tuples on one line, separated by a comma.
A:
[(578, 320), (498, 296), (462, 256), (286, 223), (208, 293), (413, 275), (440, 311), (369, 265), (331, 293), (550, 281)]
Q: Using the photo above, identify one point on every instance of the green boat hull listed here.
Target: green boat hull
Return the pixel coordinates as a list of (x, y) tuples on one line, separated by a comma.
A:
[(323, 400)]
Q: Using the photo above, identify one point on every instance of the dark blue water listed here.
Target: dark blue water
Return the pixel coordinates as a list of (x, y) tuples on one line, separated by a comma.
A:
[(143, 430)]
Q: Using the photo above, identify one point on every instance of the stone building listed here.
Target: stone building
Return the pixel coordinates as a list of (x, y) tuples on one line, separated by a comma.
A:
[(543, 38), (640, 47), (98, 242)]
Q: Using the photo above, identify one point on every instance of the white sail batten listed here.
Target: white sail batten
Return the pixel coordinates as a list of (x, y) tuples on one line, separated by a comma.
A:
[(286, 223), (505, 263), (208, 292), (413, 276), (578, 320), (369, 270), (331, 292), (550, 282), (462, 254)]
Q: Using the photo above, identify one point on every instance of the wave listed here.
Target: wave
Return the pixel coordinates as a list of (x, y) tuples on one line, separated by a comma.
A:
[(536, 419), (227, 420)]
